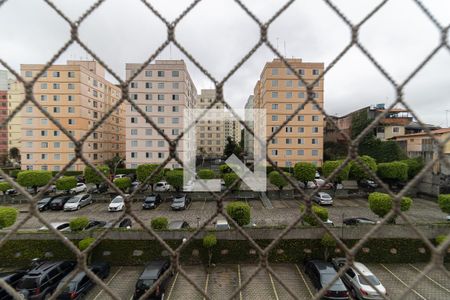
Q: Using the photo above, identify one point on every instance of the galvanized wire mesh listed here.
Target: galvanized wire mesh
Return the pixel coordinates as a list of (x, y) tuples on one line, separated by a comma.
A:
[(438, 252)]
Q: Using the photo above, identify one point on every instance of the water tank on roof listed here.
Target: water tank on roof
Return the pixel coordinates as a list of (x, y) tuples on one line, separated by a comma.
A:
[(380, 106)]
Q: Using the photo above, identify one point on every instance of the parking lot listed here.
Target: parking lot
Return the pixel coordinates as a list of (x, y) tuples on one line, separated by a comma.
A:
[(282, 213), (222, 280)]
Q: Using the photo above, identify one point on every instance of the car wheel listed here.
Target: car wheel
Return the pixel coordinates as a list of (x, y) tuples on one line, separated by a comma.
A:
[(78, 207)]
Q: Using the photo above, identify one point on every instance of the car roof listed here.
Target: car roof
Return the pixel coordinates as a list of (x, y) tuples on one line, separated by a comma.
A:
[(323, 266), (362, 269), (152, 269), (176, 224), (222, 222), (323, 193)]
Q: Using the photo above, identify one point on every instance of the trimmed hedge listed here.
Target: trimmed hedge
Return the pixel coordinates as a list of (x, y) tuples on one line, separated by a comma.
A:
[(381, 204), (444, 203), (8, 216), (4, 186), (78, 224), (320, 211), (239, 212), (159, 223), (206, 174), (125, 171)]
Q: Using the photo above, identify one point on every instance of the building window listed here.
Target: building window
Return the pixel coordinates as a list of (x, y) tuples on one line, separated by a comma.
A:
[(288, 141), (395, 129), (44, 144), (300, 141), (148, 85), (148, 155), (56, 86), (56, 145), (274, 71), (134, 131), (44, 133), (175, 120), (69, 98), (288, 95), (160, 97), (175, 131), (315, 130), (29, 109), (301, 95), (29, 144), (57, 156), (71, 109), (133, 120), (44, 86), (160, 73), (148, 73), (148, 108), (175, 85), (289, 106), (175, 97), (175, 109), (28, 74), (43, 156), (29, 121), (148, 131), (315, 152), (175, 74), (274, 95), (315, 107), (274, 118), (301, 118), (71, 86), (133, 85), (56, 98), (160, 108), (56, 74), (160, 120), (314, 141), (29, 133), (161, 144), (315, 72), (160, 155), (301, 152), (134, 144), (288, 152), (288, 129), (29, 156), (43, 97), (133, 154), (274, 152), (274, 106), (71, 74), (71, 121), (160, 85), (274, 141), (274, 83), (289, 82), (315, 118)]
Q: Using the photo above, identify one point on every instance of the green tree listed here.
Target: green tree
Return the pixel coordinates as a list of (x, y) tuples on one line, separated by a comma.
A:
[(444, 203), (66, 183), (319, 211), (84, 244), (225, 169), (4, 186), (229, 179), (159, 223), (209, 242), (331, 165), (278, 180), (175, 179), (14, 153), (239, 212), (357, 172), (34, 179), (381, 204), (415, 165), (304, 172), (381, 151), (90, 176), (145, 170), (393, 172), (78, 224), (231, 147), (206, 174), (8, 216), (123, 183), (115, 163), (328, 243)]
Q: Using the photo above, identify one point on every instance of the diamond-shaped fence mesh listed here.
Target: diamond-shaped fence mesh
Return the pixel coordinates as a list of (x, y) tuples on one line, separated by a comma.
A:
[(276, 278)]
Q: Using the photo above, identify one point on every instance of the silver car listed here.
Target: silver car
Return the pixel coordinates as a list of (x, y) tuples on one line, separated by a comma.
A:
[(77, 202), (323, 198), (359, 286)]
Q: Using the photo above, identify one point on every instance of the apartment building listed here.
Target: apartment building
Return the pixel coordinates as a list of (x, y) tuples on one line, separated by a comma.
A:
[(280, 92), (3, 113), (248, 137), (164, 90), (232, 128), (77, 95), (15, 97)]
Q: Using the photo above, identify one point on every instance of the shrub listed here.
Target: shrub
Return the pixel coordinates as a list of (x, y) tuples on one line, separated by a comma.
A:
[(85, 243), (239, 212), (206, 174), (90, 176), (229, 179), (357, 172), (304, 172), (444, 203), (331, 165), (4, 186), (319, 211), (34, 179), (8, 216), (278, 180), (66, 183), (381, 204), (414, 166), (225, 169), (14, 173), (175, 179), (78, 224), (145, 170), (159, 223), (123, 183), (393, 172)]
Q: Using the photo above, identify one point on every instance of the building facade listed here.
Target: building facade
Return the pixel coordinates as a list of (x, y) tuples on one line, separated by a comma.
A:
[(3, 129), (280, 92), (248, 137), (15, 97), (78, 96), (164, 91)]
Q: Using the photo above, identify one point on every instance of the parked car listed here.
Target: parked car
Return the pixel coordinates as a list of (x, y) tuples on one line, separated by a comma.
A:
[(359, 286), (102, 188), (132, 176), (120, 176), (11, 192), (94, 224), (317, 176), (321, 183), (178, 224), (80, 187), (125, 223), (358, 220), (321, 274), (161, 186), (323, 198), (43, 278), (180, 202), (222, 225), (152, 272), (80, 178), (368, 184), (117, 204), (81, 284), (51, 189), (59, 202), (151, 201), (12, 278), (136, 184), (60, 226), (77, 202), (44, 203)]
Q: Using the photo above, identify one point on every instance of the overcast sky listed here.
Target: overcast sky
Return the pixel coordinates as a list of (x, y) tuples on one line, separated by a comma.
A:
[(218, 34)]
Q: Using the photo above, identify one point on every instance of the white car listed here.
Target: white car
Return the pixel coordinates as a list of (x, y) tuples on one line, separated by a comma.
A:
[(162, 186), (120, 176), (222, 225), (117, 204), (51, 189), (323, 198), (60, 226), (77, 202), (80, 187)]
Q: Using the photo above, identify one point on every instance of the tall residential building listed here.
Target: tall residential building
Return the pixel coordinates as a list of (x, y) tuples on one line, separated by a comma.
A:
[(210, 134), (280, 92), (15, 97), (164, 91), (248, 137), (232, 128), (3, 113), (77, 95)]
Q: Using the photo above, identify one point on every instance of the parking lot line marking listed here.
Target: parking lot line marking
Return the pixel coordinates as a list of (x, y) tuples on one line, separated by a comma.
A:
[(204, 202), (402, 282), (173, 284), (109, 281), (431, 279), (206, 284), (304, 281), (240, 283), (273, 286)]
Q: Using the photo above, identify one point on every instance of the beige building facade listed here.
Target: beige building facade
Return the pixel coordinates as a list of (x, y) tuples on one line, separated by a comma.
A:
[(78, 96), (15, 97), (280, 92), (164, 90)]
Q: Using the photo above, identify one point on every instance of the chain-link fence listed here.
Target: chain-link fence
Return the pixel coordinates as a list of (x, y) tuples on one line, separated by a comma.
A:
[(437, 252)]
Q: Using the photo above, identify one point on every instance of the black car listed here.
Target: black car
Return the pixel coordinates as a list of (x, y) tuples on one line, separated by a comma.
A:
[(94, 224), (179, 224), (102, 188), (132, 176), (80, 178), (358, 220), (152, 272), (11, 278), (368, 184), (151, 201), (80, 285), (43, 278), (321, 274), (44, 203), (180, 202), (58, 202)]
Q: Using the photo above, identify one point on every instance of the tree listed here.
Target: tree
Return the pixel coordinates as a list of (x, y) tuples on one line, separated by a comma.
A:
[(145, 170), (381, 151), (224, 169), (232, 147), (229, 179), (327, 242), (334, 151), (114, 163), (175, 179), (14, 153), (4, 186), (90, 176), (206, 174), (393, 172), (8, 216), (278, 180), (239, 212), (357, 172), (304, 172), (84, 244), (381, 204), (66, 183), (444, 203), (159, 223), (123, 183), (34, 179), (414, 166), (331, 165), (319, 211), (78, 224), (209, 242)]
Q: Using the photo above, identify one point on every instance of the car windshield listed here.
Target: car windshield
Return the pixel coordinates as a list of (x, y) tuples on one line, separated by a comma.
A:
[(73, 200), (43, 201), (159, 184), (325, 196), (144, 283), (117, 200), (57, 200), (28, 283), (150, 199), (372, 279), (326, 278), (178, 200)]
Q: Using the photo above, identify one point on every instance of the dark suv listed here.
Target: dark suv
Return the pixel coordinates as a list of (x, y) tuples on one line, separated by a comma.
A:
[(151, 201), (152, 272), (321, 273), (43, 278), (11, 278), (180, 202), (58, 202)]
